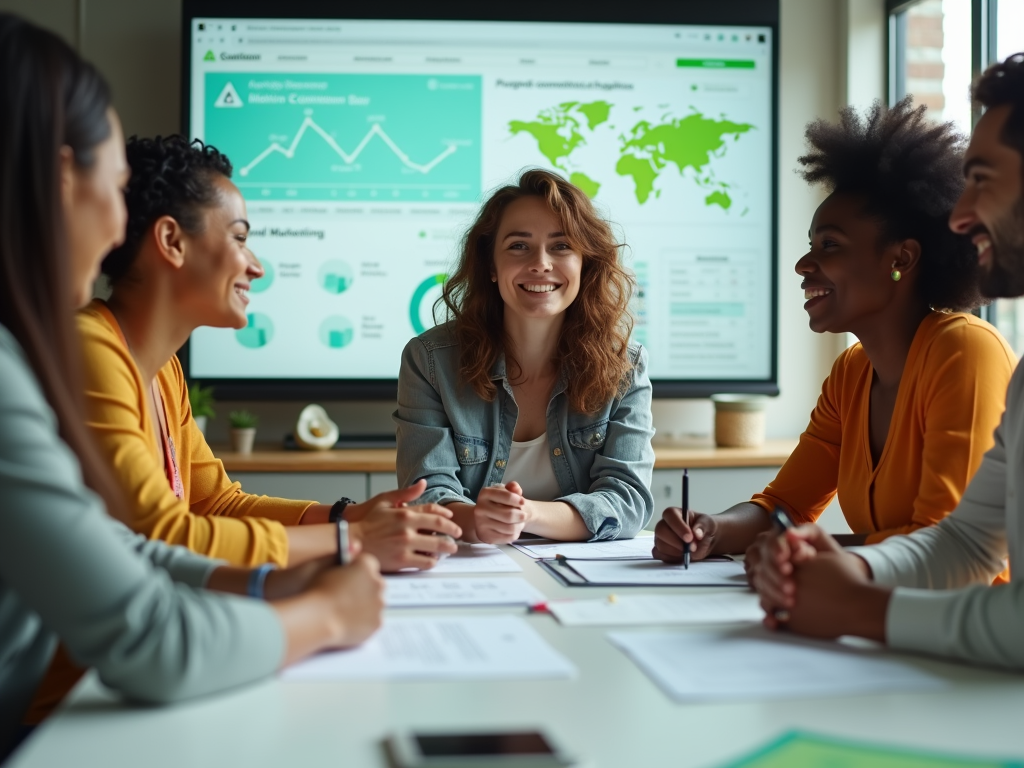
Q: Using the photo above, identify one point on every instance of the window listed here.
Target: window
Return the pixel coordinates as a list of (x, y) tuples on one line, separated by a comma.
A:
[(932, 39), (935, 40), (936, 47)]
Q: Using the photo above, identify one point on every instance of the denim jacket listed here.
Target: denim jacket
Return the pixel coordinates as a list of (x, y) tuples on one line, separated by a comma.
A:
[(460, 443)]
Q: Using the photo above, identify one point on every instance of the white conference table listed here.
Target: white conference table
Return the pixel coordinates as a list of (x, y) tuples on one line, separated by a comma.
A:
[(610, 714)]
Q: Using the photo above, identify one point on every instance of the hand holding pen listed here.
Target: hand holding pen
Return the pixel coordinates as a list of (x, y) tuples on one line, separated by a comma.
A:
[(680, 530)]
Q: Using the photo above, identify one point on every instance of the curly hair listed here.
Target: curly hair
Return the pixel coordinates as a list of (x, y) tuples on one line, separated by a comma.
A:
[(593, 348), (171, 176), (909, 171), (1003, 83)]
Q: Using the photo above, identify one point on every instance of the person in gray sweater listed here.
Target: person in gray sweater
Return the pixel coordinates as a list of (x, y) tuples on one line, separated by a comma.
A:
[(929, 591), (130, 608)]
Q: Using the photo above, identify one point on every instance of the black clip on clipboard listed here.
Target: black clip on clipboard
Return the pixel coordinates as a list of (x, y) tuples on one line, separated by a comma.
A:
[(561, 570)]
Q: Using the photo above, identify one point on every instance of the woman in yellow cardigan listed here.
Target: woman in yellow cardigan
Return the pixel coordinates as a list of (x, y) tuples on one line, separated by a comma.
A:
[(906, 414), (185, 264)]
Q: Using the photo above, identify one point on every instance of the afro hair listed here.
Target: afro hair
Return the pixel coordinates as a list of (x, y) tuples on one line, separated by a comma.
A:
[(909, 172)]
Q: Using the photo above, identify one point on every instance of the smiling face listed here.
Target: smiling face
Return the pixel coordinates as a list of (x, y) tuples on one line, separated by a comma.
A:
[(537, 271), (991, 209), (218, 265), (847, 272), (94, 208)]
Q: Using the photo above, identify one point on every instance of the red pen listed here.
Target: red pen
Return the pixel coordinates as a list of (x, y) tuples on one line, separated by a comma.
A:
[(538, 608)]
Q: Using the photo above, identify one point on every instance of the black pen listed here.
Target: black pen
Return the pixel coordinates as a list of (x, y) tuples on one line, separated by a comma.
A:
[(686, 517), (781, 520)]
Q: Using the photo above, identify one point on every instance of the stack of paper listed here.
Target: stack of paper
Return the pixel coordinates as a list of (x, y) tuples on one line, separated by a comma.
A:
[(465, 648), (757, 664)]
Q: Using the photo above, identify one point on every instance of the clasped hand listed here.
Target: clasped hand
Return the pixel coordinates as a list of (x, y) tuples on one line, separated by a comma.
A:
[(809, 585), (501, 513)]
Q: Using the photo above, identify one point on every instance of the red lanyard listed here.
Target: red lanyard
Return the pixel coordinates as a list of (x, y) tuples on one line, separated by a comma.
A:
[(167, 442)]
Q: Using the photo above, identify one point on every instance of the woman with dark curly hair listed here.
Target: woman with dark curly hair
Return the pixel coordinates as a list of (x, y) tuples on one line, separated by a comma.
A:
[(530, 410), (906, 414), (184, 264)]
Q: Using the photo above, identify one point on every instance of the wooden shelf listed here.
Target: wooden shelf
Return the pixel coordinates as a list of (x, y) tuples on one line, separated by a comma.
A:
[(772, 454)]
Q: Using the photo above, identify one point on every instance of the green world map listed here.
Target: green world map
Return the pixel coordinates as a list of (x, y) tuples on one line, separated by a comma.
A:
[(644, 151)]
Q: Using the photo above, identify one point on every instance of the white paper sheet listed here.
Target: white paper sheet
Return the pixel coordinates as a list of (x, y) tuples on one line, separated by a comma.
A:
[(757, 664), (634, 610), (401, 592), (638, 548), (703, 573), (472, 558), (462, 648)]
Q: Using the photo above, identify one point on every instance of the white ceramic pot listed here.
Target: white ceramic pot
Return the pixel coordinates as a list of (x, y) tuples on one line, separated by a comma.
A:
[(242, 440), (201, 423)]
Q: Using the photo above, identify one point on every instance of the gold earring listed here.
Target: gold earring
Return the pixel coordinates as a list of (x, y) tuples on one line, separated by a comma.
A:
[(494, 279), (895, 274)]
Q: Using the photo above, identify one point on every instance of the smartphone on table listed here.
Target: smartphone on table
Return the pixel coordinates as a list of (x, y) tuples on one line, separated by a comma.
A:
[(514, 749)]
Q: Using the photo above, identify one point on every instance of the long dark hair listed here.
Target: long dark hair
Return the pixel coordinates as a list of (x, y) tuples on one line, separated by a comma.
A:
[(51, 99)]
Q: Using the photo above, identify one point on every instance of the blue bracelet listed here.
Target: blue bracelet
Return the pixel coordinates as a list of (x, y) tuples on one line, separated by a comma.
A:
[(257, 577)]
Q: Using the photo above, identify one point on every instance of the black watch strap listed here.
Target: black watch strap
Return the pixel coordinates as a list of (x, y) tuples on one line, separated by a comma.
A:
[(338, 509)]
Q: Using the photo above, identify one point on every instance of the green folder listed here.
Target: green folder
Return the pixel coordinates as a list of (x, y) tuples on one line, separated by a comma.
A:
[(806, 750)]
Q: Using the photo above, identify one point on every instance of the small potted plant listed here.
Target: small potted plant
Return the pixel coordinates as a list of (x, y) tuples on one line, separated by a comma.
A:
[(201, 400), (243, 430)]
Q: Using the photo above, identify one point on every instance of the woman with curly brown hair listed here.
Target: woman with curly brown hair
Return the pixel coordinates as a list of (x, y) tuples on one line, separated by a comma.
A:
[(530, 410), (906, 414)]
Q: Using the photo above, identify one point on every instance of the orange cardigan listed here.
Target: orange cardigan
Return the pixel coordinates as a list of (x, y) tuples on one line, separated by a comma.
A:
[(215, 517), (950, 399)]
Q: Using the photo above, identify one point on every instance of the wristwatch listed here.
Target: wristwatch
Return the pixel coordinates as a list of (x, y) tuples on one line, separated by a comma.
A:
[(338, 509)]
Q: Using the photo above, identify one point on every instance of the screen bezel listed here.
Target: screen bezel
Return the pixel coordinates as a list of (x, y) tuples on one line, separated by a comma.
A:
[(762, 13)]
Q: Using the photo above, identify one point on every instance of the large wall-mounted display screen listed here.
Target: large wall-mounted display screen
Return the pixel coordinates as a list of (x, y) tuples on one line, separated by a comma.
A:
[(364, 148)]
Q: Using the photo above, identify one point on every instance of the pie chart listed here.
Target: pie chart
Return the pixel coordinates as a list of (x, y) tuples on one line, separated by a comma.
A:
[(261, 284), (335, 276), (336, 332), (258, 331)]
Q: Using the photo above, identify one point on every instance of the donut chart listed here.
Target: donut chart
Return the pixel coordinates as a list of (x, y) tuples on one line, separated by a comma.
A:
[(415, 306)]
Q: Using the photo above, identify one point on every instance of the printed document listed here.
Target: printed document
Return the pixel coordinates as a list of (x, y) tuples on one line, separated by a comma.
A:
[(756, 664), (454, 648), (401, 592), (632, 610), (618, 549)]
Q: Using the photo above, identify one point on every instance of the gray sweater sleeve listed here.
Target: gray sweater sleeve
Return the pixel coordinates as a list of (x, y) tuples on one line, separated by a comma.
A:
[(980, 624), (111, 596)]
